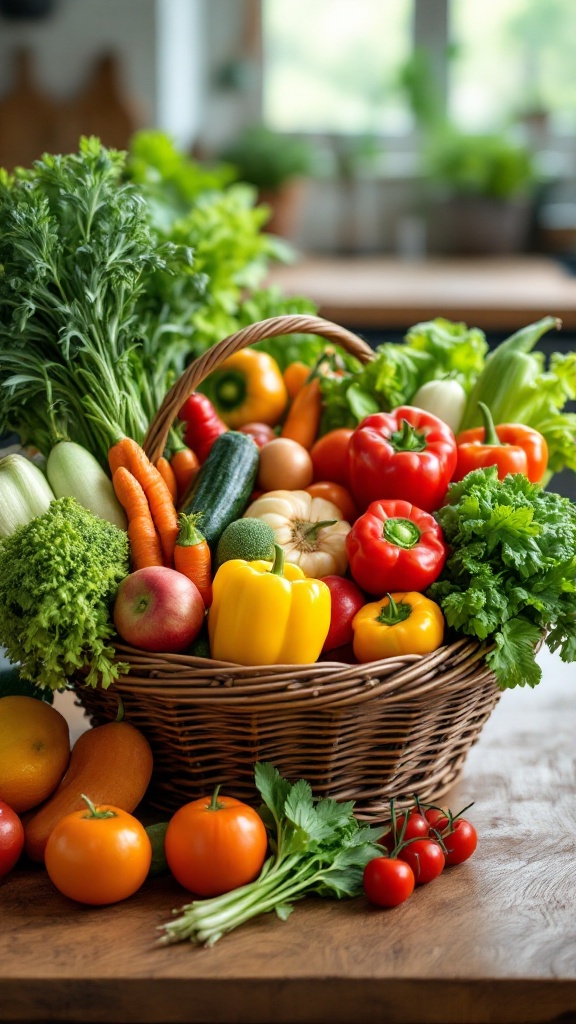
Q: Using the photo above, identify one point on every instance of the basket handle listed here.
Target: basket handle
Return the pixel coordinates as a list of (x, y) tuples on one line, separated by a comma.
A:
[(196, 372)]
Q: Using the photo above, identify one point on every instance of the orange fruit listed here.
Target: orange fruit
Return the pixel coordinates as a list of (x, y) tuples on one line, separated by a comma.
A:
[(34, 751)]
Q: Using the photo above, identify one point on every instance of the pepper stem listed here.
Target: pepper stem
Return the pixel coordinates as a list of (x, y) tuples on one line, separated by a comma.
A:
[(407, 439), (402, 533), (392, 613), (278, 564), (490, 436)]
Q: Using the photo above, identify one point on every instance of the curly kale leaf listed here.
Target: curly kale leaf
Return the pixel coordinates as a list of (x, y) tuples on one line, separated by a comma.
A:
[(58, 578), (510, 577)]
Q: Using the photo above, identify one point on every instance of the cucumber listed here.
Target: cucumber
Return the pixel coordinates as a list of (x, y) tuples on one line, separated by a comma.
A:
[(223, 485)]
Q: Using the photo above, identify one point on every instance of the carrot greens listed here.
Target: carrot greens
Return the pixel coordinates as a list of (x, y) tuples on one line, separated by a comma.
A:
[(317, 846)]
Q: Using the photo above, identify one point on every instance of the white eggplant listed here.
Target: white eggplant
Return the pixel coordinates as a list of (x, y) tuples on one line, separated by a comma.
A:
[(444, 398), (73, 472), (24, 493)]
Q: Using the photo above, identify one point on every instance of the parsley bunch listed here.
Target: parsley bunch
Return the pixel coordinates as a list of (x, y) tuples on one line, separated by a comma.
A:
[(59, 575), (318, 846), (510, 577)]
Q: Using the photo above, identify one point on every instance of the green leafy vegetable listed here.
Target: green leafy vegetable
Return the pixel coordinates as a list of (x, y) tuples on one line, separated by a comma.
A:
[(76, 250), (115, 271), (58, 578), (510, 576), (318, 846), (201, 207), (431, 350)]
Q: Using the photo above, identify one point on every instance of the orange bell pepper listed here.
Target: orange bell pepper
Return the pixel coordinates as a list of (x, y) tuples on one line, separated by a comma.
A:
[(512, 447)]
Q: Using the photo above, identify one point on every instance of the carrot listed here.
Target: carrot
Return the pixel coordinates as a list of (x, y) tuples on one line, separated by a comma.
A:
[(119, 454), (303, 419), (167, 473), (185, 464), (145, 547), (295, 376), (192, 555), (160, 501), (131, 455)]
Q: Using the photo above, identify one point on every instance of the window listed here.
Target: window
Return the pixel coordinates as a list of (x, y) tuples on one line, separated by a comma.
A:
[(334, 66)]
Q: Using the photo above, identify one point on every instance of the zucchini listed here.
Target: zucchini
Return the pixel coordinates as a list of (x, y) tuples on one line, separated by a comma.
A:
[(74, 472), (223, 485)]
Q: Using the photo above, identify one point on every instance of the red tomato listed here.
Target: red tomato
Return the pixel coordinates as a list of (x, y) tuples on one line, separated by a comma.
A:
[(98, 856), (426, 859), (329, 456), (215, 844), (346, 599), (436, 818), (261, 433), (461, 842), (417, 827), (338, 495), (388, 881), (11, 838)]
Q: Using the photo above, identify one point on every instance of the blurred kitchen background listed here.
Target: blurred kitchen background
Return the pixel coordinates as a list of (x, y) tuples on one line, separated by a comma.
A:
[(403, 127), (414, 158)]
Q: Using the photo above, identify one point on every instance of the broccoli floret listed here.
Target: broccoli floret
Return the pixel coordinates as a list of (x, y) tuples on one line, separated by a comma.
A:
[(58, 578)]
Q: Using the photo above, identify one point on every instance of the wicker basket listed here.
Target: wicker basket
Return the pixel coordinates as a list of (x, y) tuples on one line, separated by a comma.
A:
[(367, 732)]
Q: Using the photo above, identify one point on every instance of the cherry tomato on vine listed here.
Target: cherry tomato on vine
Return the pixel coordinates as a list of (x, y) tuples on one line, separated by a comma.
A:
[(436, 818), (11, 838), (417, 827), (425, 857), (99, 855), (387, 881), (215, 844), (461, 842)]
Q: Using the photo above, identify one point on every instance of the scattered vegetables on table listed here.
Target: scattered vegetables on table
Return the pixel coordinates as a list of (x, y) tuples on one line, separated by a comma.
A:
[(317, 846), (99, 855), (11, 838)]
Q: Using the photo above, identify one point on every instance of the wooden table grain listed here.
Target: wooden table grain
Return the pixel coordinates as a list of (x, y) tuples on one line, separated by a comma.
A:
[(492, 940), (495, 293)]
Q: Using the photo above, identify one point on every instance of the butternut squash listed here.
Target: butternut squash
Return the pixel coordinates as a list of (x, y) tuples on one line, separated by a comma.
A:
[(110, 763)]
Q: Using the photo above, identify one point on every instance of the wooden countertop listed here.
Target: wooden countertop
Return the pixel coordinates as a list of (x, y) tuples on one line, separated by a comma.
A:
[(495, 293), (493, 939)]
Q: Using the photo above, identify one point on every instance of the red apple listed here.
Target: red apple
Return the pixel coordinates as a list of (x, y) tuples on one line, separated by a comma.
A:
[(346, 599), (158, 609)]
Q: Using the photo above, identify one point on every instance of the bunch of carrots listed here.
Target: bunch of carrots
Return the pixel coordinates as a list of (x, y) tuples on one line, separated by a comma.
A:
[(149, 495)]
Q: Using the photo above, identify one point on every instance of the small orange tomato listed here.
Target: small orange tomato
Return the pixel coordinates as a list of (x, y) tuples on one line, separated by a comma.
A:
[(215, 844), (338, 495), (99, 855)]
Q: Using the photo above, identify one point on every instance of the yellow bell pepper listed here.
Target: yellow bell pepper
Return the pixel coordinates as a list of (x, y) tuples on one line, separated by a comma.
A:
[(265, 613), (401, 623), (248, 387)]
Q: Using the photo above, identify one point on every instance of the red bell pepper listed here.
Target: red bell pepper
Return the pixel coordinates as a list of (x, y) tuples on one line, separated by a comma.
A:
[(512, 447), (407, 454), (393, 546), (203, 424)]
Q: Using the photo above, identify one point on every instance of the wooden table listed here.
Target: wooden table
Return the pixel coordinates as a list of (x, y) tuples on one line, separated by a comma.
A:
[(378, 293), (493, 940)]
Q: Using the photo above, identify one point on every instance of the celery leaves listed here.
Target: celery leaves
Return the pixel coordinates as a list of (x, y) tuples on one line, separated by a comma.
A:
[(510, 577)]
